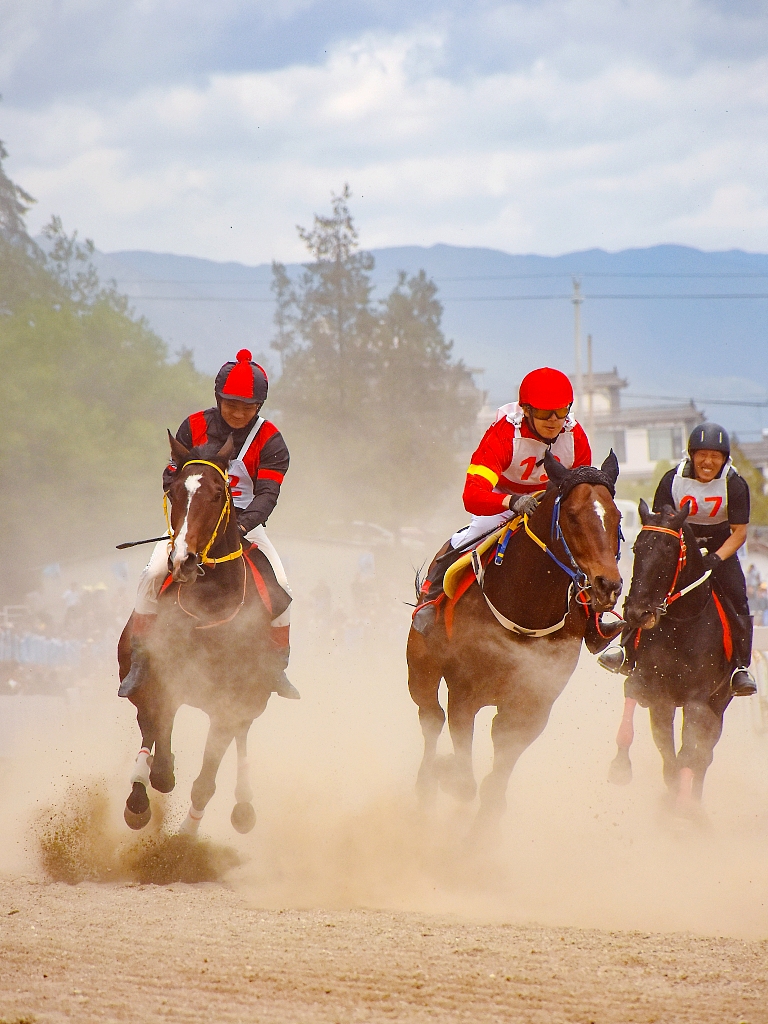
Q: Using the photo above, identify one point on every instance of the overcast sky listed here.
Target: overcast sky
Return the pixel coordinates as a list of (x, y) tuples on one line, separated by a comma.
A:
[(213, 128)]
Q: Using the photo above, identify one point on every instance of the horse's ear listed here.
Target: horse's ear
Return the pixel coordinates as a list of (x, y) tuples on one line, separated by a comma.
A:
[(554, 469), (227, 450), (178, 451), (645, 512), (679, 517), (610, 467)]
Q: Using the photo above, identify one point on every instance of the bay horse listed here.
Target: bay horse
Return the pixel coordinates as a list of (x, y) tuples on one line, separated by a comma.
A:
[(680, 655), (209, 645), (513, 639)]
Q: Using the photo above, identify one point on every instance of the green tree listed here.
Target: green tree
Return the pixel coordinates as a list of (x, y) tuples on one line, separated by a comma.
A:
[(87, 390), (369, 390), (757, 497)]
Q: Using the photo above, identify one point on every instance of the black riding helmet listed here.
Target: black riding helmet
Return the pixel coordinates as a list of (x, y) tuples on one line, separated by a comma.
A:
[(709, 436)]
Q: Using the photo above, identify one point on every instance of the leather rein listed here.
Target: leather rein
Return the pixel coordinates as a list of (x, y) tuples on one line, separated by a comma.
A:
[(579, 580)]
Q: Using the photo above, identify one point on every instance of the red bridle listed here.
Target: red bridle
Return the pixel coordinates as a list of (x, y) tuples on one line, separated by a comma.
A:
[(681, 560)]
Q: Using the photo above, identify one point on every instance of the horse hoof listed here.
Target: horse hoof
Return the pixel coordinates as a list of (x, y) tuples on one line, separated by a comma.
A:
[(459, 784), (243, 817), (163, 782), (137, 811), (620, 771)]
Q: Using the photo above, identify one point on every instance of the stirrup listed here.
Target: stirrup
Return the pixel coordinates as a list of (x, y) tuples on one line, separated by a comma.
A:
[(283, 687), (742, 683), (424, 619), (614, 659)]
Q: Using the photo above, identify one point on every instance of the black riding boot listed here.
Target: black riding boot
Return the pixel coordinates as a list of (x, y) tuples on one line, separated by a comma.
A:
[(598, 635), (279, 681), (139, 671), (426, 613), (742, 683), (620, 657)]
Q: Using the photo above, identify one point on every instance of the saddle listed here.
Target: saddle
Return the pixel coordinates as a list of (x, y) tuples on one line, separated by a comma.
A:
[(455, 572)]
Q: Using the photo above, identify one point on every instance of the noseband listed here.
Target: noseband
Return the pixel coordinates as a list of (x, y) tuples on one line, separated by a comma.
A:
[(225, 512)]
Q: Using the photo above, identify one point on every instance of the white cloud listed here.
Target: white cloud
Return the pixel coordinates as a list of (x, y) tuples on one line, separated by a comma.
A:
[(563, 148)]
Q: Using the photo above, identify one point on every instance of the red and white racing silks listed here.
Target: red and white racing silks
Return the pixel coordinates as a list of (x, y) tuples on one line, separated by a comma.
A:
[(509, 458), (708, 502)]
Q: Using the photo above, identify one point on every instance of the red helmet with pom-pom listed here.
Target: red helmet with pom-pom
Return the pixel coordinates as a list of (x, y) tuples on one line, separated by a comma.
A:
[(243, 381), (546, 388)]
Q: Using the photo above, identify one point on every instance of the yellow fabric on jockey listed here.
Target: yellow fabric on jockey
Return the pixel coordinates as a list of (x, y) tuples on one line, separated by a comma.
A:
[(454, 572)]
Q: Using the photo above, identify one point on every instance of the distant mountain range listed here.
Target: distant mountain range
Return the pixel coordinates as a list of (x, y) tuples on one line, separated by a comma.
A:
[(675, 321)]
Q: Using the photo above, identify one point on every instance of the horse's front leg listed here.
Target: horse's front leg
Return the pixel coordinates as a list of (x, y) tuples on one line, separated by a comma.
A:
[(662, 714), (243, 816), (515, 726), (161, 775), (204, 786), (455, 772), (620, 771), (137, 811), (702, 727), (424, 676)]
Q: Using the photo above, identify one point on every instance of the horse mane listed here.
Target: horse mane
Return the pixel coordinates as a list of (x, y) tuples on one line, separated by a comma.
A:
[(585, 475), (208, 452)]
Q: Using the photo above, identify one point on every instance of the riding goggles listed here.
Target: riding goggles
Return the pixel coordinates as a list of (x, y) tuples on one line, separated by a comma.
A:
[(545, 414)]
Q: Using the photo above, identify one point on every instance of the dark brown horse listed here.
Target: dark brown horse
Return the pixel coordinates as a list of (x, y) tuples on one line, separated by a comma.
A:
[(210, 644), (679, 655), (516, 637)]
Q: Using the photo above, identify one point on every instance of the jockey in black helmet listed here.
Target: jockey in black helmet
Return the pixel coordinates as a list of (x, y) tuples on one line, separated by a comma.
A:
[(718, 502), (255, 475)]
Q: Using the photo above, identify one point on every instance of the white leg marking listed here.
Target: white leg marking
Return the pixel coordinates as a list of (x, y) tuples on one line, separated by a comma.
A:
[(191, 823), (141, 768), (243, 791)]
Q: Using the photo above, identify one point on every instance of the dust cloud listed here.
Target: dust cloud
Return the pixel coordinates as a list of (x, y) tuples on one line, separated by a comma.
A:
[(337, 822)]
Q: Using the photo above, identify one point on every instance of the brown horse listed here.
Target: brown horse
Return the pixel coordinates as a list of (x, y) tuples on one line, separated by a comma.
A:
[(516, 635), (211, 642)]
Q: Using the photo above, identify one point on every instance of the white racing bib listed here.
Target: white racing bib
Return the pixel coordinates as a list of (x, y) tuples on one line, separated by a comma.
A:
[(524, 474), (708, 502), (240, 483)]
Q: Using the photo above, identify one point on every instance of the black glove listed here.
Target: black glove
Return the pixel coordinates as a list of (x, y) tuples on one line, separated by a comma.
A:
[(712, 560), (526, 504)]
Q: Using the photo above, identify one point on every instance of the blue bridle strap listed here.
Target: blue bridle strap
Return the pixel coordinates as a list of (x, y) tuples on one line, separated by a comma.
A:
[(578, 576)]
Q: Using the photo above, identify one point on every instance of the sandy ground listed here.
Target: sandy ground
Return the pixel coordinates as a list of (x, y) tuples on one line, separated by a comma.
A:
[(345, 904), (200, 953)]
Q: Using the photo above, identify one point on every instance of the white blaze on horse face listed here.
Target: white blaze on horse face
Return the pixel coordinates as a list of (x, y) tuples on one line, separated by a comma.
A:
[(600, 509), (180, 552)]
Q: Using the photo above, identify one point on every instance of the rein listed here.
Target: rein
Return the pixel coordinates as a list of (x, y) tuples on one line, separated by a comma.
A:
[(219, 622), (579, 579), (226, 511)]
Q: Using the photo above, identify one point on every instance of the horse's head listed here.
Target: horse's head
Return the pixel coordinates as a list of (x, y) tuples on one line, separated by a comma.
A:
[(589, 521), (200, 501), (658, 561)]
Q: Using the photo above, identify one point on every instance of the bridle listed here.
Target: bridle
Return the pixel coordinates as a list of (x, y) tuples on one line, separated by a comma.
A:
[(223, 517), (682, 558)]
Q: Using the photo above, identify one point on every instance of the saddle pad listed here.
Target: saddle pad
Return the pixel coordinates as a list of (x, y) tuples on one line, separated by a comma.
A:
[(455, 572)]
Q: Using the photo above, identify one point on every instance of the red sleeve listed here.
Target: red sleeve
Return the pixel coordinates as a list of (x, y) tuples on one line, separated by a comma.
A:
[(582, 453), (493, 456)]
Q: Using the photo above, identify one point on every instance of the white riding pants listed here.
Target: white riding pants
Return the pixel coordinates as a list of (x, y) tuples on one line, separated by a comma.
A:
[(479, 526), (156, 570)]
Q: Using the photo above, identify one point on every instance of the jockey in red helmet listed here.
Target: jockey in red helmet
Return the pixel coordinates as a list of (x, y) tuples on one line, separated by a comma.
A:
[(507, 469), (255, 475)]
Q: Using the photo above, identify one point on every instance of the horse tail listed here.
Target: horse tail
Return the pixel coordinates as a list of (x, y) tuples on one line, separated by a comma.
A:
[(419, 579)]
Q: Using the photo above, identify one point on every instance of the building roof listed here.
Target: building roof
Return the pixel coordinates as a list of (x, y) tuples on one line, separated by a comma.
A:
[(601, 381), (650, 416)]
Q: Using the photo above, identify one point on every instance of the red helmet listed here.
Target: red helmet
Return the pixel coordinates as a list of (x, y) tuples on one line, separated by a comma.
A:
[(243, 381), (546, 388)]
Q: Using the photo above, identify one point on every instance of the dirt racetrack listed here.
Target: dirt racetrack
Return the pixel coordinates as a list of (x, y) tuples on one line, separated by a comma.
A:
[(201, 953), (347, 905)]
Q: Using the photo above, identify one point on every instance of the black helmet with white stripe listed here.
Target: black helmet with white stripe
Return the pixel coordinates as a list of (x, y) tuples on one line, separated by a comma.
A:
[(709, 436)]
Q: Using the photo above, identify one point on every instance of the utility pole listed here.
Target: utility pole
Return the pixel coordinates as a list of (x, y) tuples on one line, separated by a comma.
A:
[(577, 298), (591, 391)]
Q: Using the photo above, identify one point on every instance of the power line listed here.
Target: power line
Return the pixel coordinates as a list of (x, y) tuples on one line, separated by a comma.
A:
[(703, 401), (473, 298)]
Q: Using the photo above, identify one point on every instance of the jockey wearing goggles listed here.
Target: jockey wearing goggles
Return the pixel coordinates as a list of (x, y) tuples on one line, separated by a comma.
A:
[(255, 475), (718, 513), (506, 470)]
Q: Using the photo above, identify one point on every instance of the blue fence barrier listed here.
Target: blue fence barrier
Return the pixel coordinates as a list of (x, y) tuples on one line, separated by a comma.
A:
[(33, 649)]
